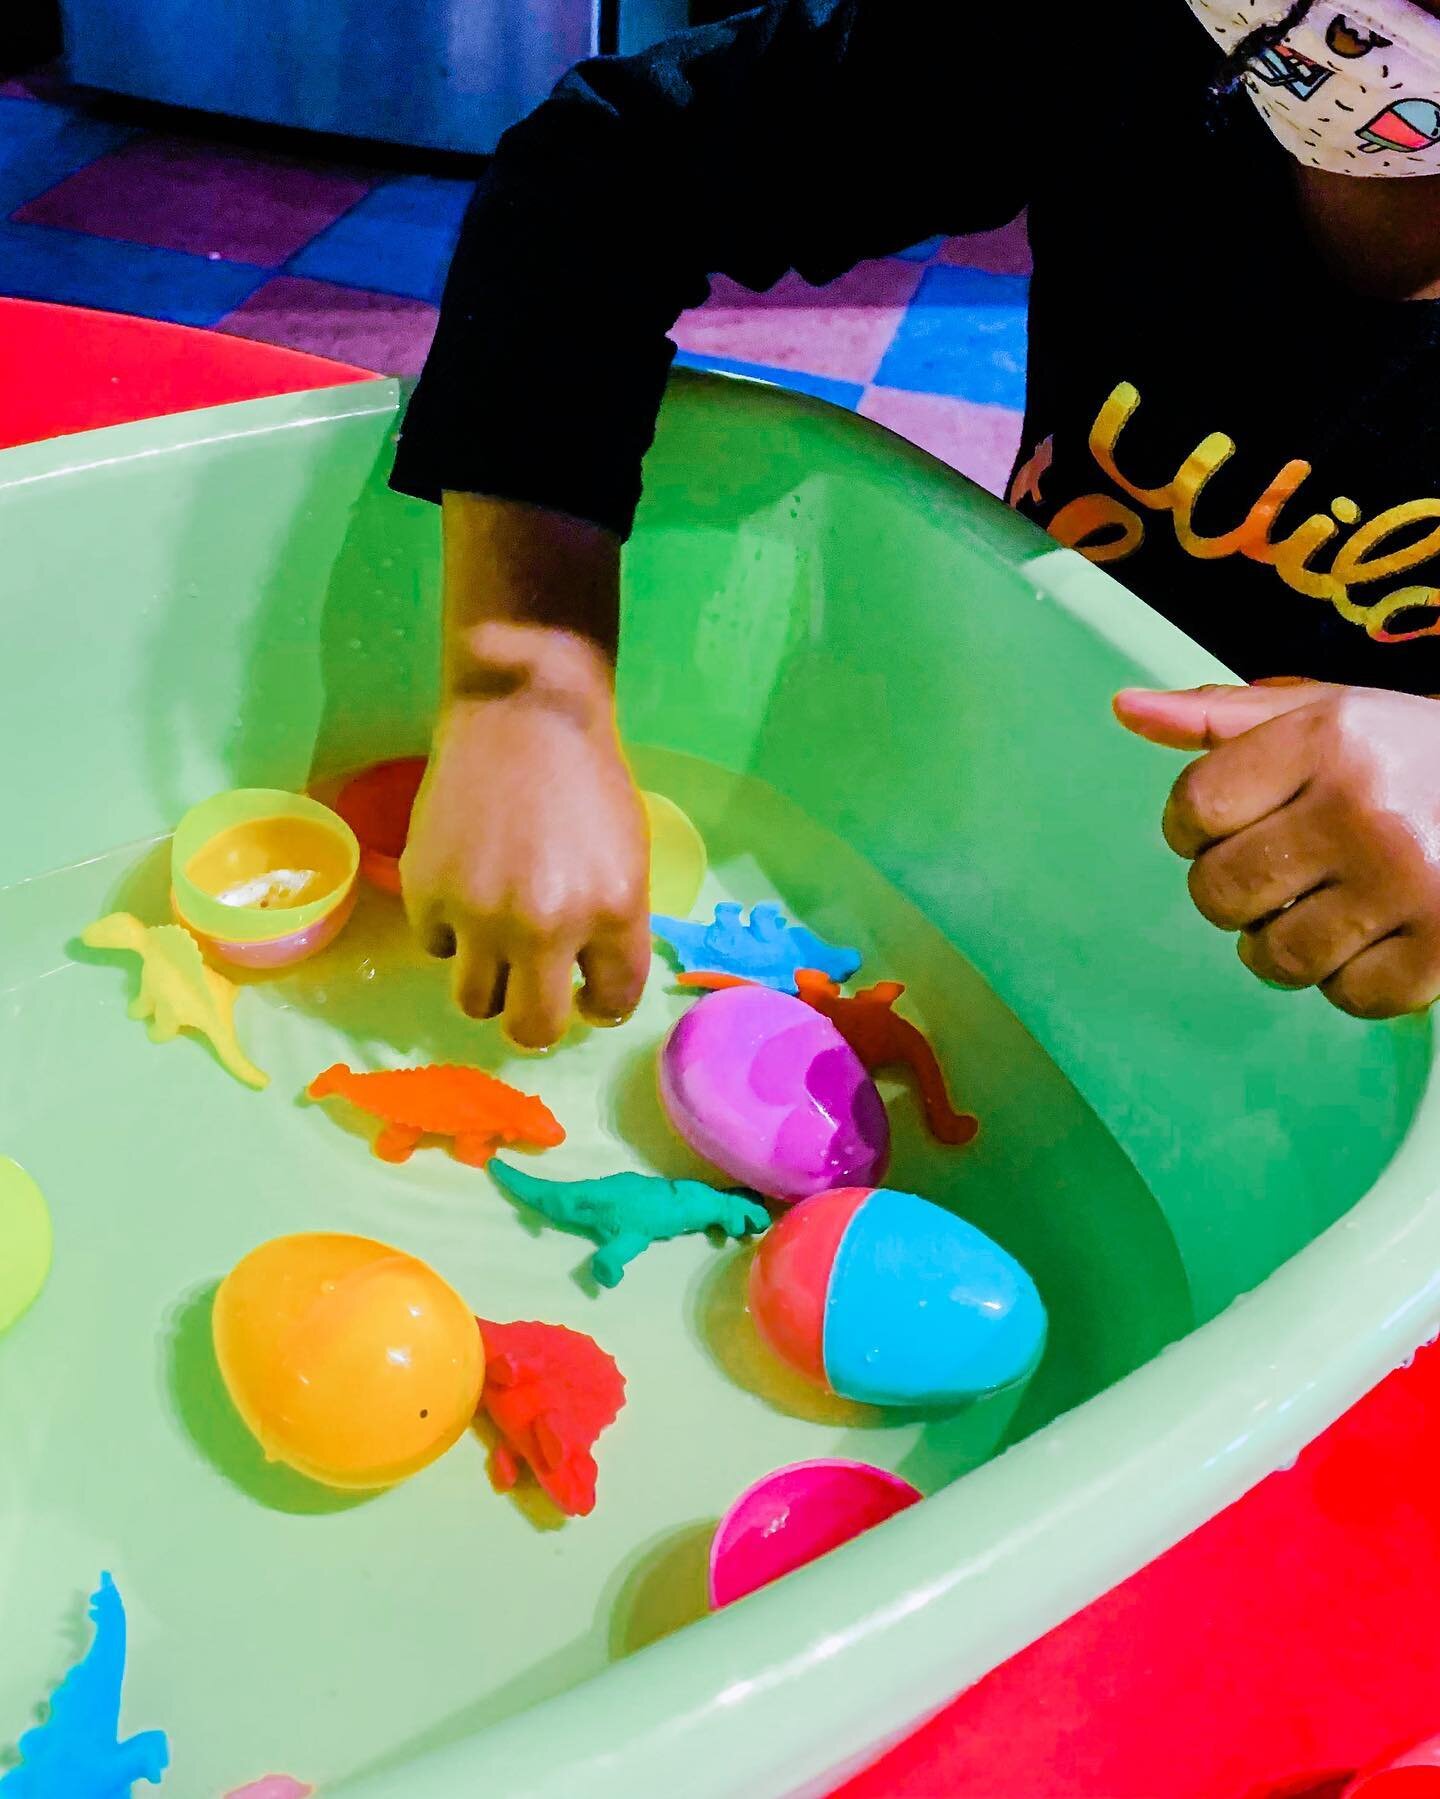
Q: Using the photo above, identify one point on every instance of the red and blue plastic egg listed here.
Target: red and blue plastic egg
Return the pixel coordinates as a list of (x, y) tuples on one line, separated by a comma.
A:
[(887, 1299)]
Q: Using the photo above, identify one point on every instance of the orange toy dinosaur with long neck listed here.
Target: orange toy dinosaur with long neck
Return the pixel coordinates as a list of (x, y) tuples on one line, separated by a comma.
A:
[(869, 1023)]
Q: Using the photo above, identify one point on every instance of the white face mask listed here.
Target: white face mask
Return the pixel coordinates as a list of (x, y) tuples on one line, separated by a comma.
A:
[(1352, 89)]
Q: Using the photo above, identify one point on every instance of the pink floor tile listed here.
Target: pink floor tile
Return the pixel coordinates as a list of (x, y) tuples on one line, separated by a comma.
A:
[(841, 330), (211, 200), (1002, 252), (374, 331), (980, 441)]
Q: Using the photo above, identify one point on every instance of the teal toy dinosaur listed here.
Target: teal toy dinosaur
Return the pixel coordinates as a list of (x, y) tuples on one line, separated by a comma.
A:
[(626, 1213)]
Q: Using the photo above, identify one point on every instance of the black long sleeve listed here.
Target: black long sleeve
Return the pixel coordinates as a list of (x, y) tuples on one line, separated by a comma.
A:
[(807, 135), (1177, 301)]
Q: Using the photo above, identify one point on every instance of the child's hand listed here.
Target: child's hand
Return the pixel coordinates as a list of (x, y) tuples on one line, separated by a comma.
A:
[(1313, 828), (528, 853)]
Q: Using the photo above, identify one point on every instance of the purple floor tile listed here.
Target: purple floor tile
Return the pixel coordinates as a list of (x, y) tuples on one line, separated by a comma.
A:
[(841, 330), (235, 205), (980, 441), (1002, 252), (384, 332)]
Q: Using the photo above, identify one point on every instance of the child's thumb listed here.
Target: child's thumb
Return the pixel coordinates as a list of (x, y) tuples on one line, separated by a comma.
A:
[(1197, 718)]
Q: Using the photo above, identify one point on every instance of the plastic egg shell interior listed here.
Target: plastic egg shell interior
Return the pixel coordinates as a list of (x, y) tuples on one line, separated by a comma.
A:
[(26, 1242), (376, 804), (796, 1513), (263, 877), (353, 1363), (766, 1089), (890, 1300)]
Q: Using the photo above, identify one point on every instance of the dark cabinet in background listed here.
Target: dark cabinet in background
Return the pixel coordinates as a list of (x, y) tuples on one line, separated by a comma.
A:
[(29, 34), (441, 74)]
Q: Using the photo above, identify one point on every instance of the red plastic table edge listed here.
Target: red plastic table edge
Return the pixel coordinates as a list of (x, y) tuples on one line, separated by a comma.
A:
[(67, 368)]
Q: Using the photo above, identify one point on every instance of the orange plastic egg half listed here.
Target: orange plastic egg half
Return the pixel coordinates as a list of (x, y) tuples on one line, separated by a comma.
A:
[(350, 1361)]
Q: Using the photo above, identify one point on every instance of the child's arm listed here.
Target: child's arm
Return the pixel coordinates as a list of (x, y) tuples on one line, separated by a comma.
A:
[(804, 136), (528, 851)]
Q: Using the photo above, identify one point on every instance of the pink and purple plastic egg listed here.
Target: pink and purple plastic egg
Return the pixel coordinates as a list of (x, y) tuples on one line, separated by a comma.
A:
[(887, 1299), (766, 1089)]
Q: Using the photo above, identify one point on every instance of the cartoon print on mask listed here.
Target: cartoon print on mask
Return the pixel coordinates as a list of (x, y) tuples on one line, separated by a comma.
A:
[(1349, 40), (1283, 67), (1408, 125), (1354, 90)]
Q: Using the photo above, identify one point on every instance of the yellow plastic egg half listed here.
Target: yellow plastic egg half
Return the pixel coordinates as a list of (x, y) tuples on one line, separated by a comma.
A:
[(677, 857), (351, 1362)]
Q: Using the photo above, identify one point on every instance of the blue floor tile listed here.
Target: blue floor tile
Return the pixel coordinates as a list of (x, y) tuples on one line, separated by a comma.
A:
[(38, 262), (922, 252), (822, 387), (41, 144), (962, 334), (397, 240)]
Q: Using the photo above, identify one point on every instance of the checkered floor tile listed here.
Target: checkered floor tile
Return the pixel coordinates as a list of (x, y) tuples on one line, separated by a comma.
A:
[(398, 239), (349, 261), (206, 200)]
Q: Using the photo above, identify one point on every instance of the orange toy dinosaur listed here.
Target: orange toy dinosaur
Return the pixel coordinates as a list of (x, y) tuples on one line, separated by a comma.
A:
[(869, 1023), (442, 1100), (549, 1392)]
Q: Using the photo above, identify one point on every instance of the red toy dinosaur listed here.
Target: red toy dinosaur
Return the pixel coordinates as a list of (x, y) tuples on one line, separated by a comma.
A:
[(549, 1391), (442, 1100), (869, 1023)]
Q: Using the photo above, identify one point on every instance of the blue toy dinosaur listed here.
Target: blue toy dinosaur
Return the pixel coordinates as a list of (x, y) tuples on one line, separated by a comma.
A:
[(766, 950), (77, 1753), (626, 1213)]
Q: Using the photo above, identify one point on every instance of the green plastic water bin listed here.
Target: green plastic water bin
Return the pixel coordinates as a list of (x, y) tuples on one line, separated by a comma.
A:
[(886, 701)]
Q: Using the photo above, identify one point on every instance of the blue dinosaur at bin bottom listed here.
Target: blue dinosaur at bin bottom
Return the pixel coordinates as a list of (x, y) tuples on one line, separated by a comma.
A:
[(77, 1753), (767, 949)]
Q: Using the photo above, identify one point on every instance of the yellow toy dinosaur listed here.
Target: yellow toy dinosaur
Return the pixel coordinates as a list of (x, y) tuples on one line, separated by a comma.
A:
[(178, 991)]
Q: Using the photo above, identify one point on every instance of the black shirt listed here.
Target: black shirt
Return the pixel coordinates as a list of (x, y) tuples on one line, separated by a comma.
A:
[(1247, 445)]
